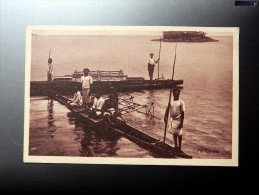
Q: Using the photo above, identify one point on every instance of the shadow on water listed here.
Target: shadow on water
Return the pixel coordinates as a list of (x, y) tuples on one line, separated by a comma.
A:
[(94, 142)]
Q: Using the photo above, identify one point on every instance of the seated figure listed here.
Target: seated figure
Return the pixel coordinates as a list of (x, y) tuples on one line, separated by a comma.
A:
[(77, 100), (111, 110), (96, 110)]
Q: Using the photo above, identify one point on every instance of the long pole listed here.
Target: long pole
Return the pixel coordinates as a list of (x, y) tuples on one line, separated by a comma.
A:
[(170, 95), (159, 58)]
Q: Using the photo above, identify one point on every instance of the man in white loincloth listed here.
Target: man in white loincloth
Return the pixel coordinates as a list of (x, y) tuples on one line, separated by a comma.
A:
[(175, 116)]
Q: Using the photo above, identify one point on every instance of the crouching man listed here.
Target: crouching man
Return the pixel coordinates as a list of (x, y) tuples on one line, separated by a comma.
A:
[(96, 110), (111, 110)]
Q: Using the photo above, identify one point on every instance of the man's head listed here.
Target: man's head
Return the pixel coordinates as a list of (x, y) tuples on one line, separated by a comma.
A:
[(176, 93), (49, 60), (86, 71), (151, 55), (78, 88), (111, 96), (98, 95), (92, 99), (112, 90)]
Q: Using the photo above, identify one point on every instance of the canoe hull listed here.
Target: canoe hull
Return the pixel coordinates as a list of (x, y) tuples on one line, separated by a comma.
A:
[(67, 87)]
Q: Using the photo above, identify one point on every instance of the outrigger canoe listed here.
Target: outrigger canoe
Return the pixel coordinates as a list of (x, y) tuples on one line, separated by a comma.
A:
[(156, 146)]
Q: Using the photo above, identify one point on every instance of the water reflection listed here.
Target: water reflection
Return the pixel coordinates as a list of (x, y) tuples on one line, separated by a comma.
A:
[(51, 120), (94, 142), (71, 118), (98, 143), (150, 94)]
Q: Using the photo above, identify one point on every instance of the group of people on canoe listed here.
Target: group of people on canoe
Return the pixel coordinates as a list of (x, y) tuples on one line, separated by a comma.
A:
[(96, 105)]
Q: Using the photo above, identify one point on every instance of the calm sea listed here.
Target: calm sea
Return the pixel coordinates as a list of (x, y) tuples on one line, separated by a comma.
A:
[(206, 69)]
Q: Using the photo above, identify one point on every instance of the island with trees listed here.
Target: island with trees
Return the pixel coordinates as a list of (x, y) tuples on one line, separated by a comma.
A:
[(185, 36)]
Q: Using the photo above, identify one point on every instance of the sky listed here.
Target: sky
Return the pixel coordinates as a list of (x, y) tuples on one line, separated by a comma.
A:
[(124, 30)]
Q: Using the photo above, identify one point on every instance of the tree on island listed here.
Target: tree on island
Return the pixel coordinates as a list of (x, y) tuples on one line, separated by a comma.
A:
[(185, 36)]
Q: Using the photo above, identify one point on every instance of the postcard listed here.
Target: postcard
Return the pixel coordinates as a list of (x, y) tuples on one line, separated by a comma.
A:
[(131, 95)]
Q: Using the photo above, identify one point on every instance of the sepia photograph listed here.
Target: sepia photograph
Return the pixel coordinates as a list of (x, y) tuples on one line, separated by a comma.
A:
[(138, 95)]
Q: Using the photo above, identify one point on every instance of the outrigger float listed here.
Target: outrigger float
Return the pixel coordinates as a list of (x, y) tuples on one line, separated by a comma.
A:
[(154, 145)]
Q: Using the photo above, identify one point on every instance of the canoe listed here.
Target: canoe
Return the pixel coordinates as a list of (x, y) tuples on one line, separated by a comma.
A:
[(154, 145), (66, 87)]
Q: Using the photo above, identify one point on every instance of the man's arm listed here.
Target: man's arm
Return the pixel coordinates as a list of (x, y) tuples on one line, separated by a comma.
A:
[(157, 60), (94, 104), (182, 119), (182, 114), (91, 85), (101, 105), (166, 114), (81, 79)]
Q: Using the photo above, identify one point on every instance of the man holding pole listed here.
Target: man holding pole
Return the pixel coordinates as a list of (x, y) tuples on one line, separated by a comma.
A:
[(174, 117), (151, 65), (50, 68)]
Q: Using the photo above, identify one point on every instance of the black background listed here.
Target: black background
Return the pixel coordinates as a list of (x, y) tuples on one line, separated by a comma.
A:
[(16, 176)]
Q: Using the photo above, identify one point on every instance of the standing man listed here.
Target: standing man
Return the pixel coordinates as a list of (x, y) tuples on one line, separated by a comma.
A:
[(151, 65), (175, 114), (50, 69), (87, 82)]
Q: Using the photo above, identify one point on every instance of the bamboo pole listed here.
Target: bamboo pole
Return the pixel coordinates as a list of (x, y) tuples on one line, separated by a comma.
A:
[(170, 95), (159, 59)]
